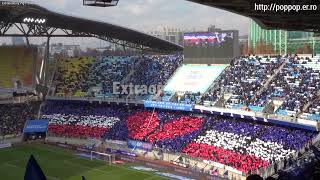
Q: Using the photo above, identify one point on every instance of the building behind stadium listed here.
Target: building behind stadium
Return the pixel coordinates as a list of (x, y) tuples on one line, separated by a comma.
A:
[(262, 41)]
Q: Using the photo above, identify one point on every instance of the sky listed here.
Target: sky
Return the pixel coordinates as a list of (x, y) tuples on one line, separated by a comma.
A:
[(146, 15)]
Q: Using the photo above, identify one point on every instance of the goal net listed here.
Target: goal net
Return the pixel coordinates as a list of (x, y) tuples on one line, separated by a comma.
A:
[(102, 156)]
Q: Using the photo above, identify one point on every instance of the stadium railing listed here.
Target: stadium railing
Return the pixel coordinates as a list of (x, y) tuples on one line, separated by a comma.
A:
[(99, 99)]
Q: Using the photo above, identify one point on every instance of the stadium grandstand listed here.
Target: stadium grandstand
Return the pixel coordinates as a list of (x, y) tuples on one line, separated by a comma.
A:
[(151, 114)]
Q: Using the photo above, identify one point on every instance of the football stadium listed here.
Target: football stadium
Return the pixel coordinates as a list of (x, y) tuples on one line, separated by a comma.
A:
[(187, 105)]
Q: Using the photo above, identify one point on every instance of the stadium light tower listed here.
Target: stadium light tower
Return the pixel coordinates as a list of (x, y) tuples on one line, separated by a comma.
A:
[(100, 3), (34, 20)]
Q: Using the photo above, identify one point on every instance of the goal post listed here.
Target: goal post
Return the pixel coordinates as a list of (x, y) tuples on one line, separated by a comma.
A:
[(102, 156)]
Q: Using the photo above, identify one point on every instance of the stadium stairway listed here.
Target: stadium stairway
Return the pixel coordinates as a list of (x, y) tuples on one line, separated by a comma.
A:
[(306, 106), (52, 82), (157, 96), (277, 103), (226, 97), (132, 71), (266, 84), (214, 86), (40, 109), (269, 108), (220, 102)]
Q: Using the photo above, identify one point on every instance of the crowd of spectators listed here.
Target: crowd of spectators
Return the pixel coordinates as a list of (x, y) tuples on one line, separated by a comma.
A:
[(141, 124), (244, 77), (173, 136), (14, 116), (259, 144), (83, 108), (76, 131), (289, 138), (82, 119), (118, 132), (110, 69), (246, 146), (155, 70), (189, 97), (167, 116), (71, 76), (175, 128), (79, 126), (295, 83), (78, 76), (244, 163)]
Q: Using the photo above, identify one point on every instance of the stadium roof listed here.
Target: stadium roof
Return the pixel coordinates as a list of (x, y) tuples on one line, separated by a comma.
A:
[(302, 20), (15, 13)]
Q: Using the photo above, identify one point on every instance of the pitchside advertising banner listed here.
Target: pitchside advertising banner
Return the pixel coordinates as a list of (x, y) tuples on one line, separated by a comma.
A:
[(5, 145), (33, 126), (132, 144), (168, 105)]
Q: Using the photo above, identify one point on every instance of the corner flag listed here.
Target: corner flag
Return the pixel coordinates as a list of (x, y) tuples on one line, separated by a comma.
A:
[(33, 170)]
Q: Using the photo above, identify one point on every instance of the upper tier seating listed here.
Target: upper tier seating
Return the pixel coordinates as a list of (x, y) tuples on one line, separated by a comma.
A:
[(244, 78), (71, 76), (155, 70), (77, 76), (110, 69), (295, 83)]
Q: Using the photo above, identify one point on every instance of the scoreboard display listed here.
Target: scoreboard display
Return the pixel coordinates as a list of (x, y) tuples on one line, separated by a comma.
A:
[(211, 45)]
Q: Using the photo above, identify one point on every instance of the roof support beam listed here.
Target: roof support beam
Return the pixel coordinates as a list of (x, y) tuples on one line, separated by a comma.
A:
[(43, 30)]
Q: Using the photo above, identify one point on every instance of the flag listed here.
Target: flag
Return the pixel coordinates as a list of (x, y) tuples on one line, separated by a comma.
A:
[(33, 170), (83, 178)]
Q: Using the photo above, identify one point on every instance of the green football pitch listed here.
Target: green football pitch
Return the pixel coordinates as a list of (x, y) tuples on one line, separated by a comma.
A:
[(58, 164)]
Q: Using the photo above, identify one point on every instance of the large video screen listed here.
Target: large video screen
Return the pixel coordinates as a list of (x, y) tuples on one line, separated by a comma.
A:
[(209, 44), (194, 78)]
